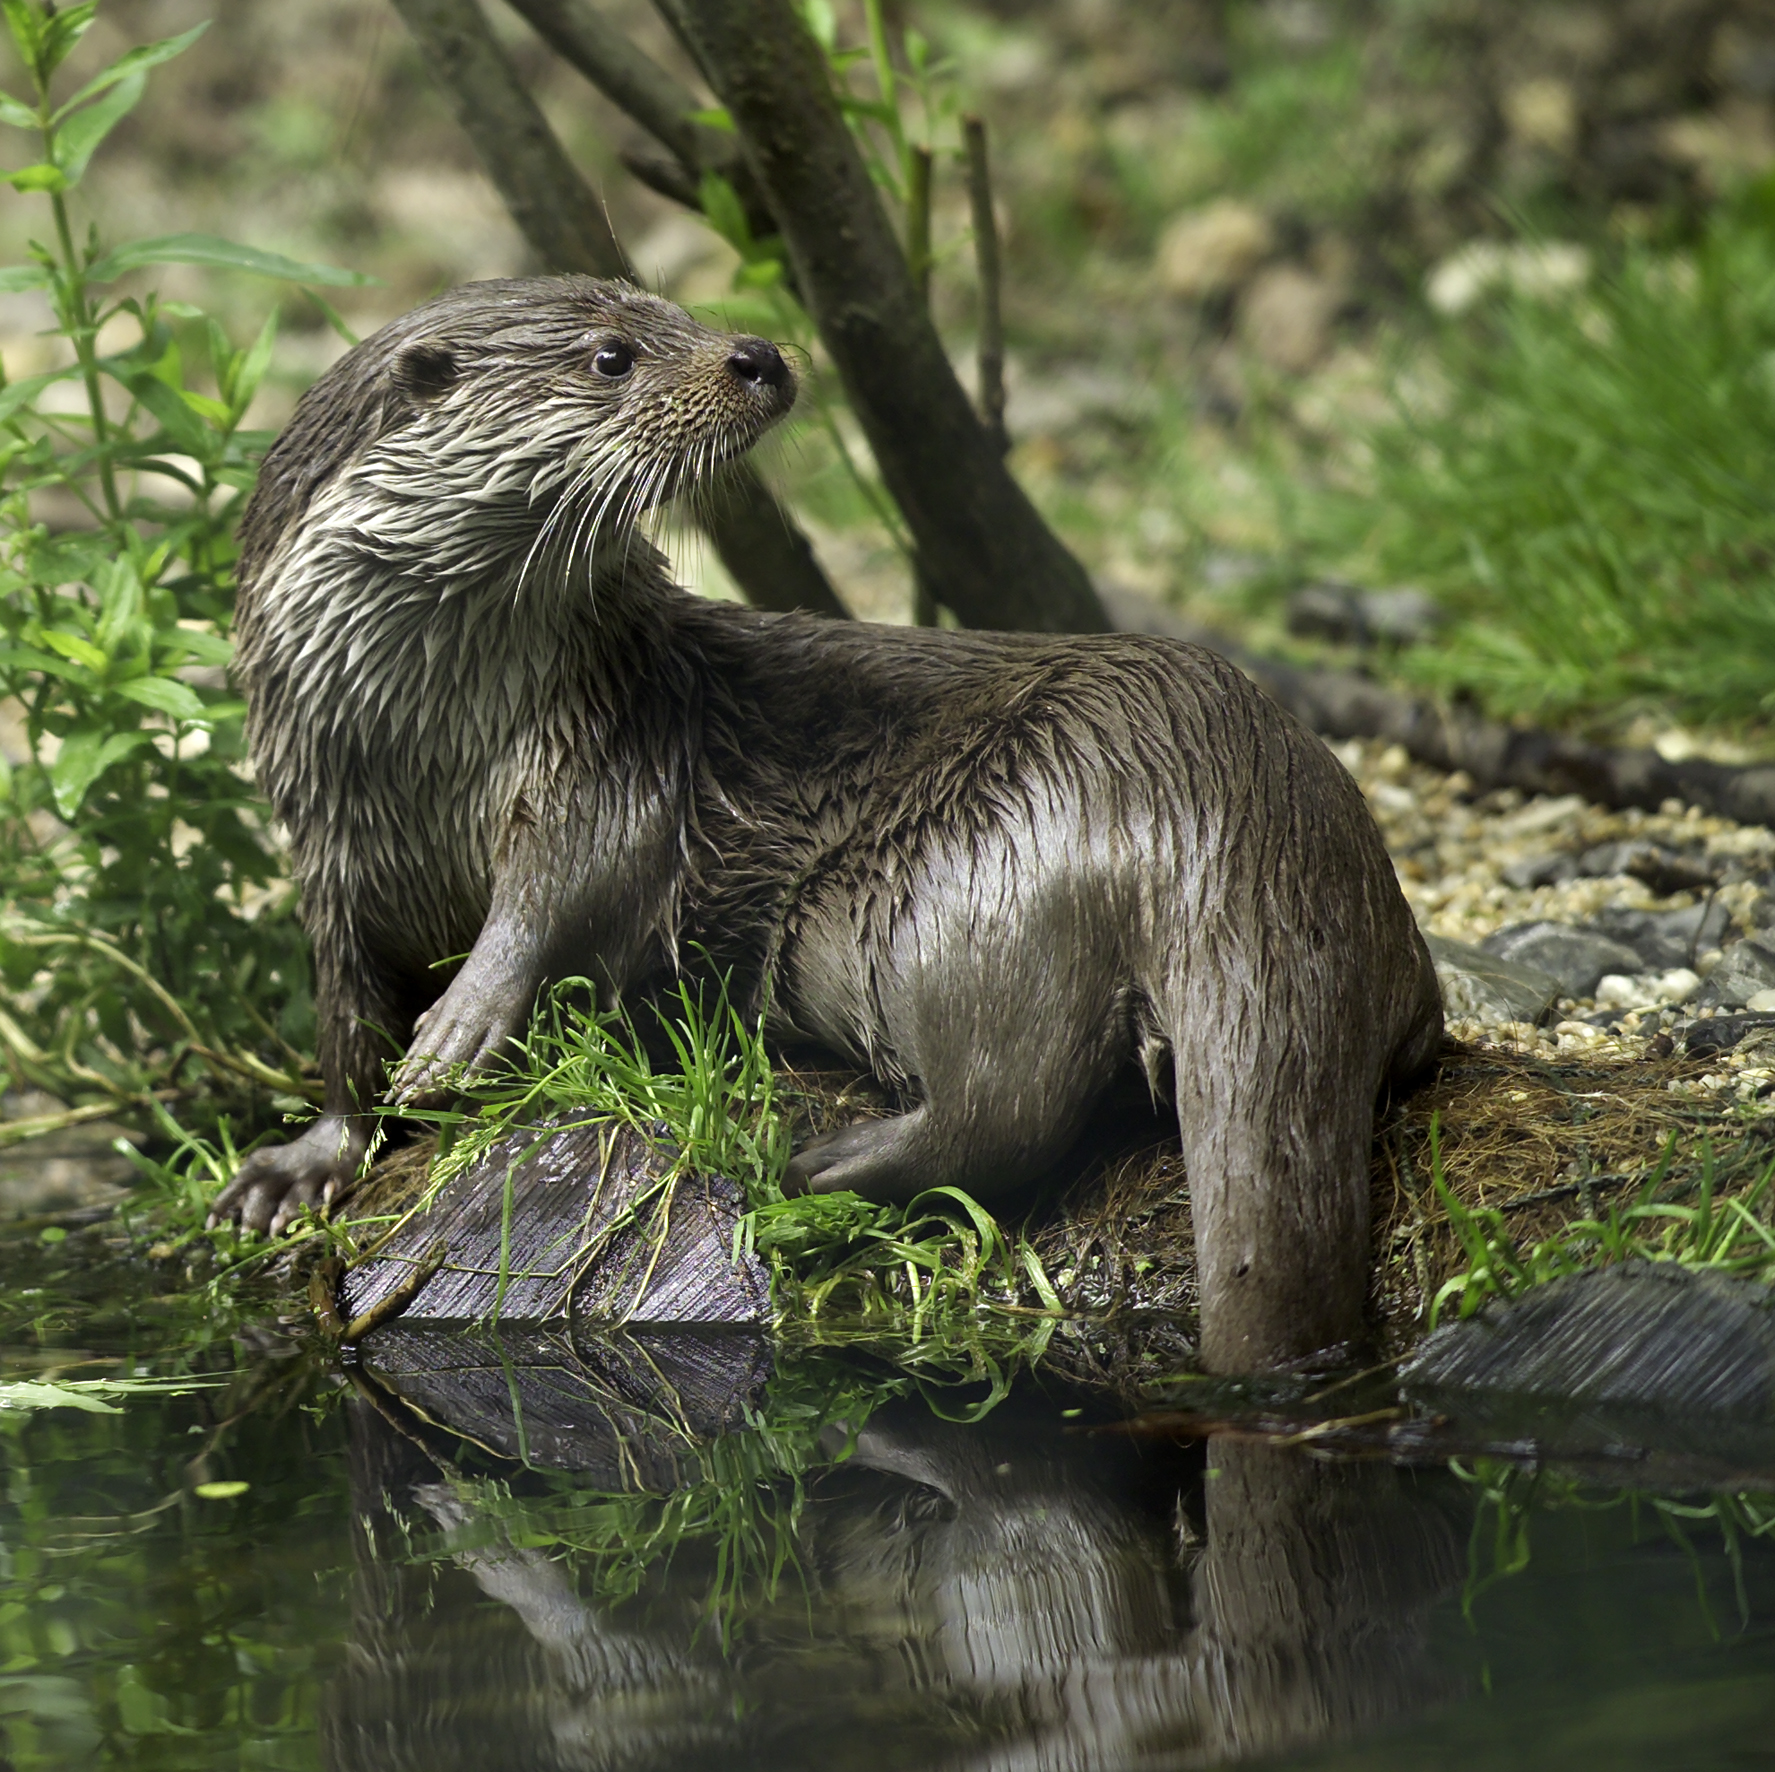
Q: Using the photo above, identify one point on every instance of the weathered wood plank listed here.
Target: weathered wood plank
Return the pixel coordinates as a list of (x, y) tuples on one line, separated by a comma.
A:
[(575, 1223)]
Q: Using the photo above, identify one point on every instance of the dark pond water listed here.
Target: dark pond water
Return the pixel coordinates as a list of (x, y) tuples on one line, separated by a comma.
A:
[(295, 1567)]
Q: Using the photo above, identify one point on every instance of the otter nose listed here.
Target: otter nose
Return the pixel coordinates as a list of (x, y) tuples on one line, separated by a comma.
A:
[(758, 362)]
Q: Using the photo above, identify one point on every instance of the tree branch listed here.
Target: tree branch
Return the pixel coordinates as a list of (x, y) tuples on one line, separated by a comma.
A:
[(982, 548), (653, 98), (565, 224), (556, 210), (632, 80), (992, 326)]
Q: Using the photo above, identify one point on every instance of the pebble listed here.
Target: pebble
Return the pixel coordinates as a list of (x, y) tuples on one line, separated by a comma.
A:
[(1690, 889)]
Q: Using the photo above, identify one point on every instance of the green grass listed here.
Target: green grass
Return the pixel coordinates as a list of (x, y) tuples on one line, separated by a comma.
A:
[(701, 1083), (1586, 487), (1727, 1235)]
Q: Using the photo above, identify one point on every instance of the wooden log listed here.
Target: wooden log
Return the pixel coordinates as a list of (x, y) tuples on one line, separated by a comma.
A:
[(568, 1224)]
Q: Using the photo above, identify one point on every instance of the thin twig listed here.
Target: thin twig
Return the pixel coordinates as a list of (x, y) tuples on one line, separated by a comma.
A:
[(18, 1131), (918, 220), (992, 327)]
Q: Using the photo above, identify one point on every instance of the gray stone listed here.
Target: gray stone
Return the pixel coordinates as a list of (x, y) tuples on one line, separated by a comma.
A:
[(1577, 958), (1350, 615), (1663, 939), (1724, 1033), (1649, 1335), (1481, 986), (1540, 870), (1664, 870), (1748, 967)]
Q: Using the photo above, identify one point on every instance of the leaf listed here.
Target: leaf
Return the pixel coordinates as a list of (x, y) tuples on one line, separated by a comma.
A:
[(76, 647), (197, 645), (205, 407), (61, 31), (168, 405), (76, 139), (821, 22), (165, 695), (19, 116), (85, 756), (249, 370), (138, 61), (14, 278), (219, 254), (225, 1491), (120, 599), (41, 177), (25, 23), (23, 1393), (714, 117), (725, 213)]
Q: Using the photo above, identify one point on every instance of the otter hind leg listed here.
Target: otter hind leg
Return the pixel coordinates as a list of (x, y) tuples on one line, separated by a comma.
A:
[(888, 1160), (997, 1111)]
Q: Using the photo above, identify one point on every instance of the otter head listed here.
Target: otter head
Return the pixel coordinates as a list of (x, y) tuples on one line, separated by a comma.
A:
[(507, 420)]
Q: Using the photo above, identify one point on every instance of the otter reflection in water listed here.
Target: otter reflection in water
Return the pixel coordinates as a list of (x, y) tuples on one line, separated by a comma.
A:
[(990, 1596)]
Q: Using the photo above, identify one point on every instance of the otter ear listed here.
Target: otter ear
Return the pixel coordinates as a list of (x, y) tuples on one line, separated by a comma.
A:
[(424, 371)]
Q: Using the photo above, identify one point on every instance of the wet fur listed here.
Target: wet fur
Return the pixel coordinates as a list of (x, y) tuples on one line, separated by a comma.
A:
[(995, 869)]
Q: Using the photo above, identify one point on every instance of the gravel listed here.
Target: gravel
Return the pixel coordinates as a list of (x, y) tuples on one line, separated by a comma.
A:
[(1633, 914)]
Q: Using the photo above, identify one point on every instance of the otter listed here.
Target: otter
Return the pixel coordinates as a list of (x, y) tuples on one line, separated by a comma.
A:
[(997, 870)]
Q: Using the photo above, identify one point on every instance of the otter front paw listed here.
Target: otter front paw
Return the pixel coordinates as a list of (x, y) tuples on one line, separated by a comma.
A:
[(274, 1186), (460, 1034)]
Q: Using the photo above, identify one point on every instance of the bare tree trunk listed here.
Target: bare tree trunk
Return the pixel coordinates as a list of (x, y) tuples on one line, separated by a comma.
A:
[(565, 224), (982, 548)]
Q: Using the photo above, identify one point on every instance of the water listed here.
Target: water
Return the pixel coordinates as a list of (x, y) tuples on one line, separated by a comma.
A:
[(289, 1567)]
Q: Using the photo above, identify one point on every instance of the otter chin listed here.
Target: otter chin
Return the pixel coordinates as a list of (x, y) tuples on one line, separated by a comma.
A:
[(997, 870)]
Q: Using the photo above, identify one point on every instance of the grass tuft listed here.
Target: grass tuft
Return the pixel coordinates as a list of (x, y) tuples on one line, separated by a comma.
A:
[(1586, 487), (1726, 1235)]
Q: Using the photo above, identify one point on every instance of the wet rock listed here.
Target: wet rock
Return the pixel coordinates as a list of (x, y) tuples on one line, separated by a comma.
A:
[(1649, 1335), (1721, 1033), (1349, 615), (1540, 870), (1577, 958), (1664, 939), (1286, 317), (1480, 986), (1663, 870), (1747, 970), (1210, 251)]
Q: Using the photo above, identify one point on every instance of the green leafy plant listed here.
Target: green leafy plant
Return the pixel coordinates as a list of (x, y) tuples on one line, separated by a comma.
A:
[(149, 949)]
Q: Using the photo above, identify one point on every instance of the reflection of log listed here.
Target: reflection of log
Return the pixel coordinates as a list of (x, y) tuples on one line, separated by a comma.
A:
[(583, 1221), (625, 1410), (437, 1679)]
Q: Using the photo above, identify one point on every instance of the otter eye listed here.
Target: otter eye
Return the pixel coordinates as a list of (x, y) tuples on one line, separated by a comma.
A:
[(614, 360)]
